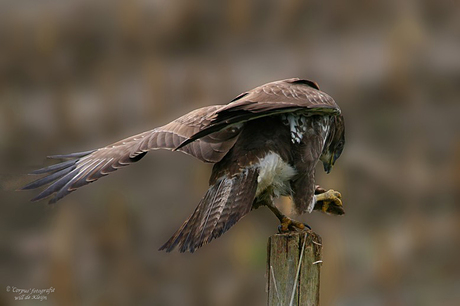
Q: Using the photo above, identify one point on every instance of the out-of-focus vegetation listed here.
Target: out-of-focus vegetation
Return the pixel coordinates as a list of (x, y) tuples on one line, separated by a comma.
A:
[(77, 75)]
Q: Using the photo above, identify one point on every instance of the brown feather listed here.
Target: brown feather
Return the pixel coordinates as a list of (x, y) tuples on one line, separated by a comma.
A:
[(286, 96), (91, 165), (226, 202)]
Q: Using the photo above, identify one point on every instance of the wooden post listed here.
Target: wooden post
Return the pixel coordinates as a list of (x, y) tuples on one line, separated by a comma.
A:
[(293, 269)]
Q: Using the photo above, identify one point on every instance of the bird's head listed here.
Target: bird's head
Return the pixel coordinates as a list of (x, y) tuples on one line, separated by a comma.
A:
[(334, 143)]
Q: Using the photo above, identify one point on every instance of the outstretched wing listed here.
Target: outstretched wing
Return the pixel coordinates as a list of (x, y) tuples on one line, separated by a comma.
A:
[(226, 202), (207, 133), (286, 96), (86, 167)]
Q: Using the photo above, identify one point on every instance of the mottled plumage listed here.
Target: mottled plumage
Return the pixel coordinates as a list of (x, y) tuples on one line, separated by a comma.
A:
[(265, 143)]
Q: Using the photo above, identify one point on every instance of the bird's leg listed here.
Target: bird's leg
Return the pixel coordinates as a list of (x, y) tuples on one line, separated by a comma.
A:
[(328, 201), (287, 224)]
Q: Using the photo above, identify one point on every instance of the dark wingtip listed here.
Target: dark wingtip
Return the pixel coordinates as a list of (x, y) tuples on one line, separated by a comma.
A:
[(165, 248), (27, 187), (51, 177), (44, 195), (53, 200), (55, 167), (38, 198), (59, 173), (71, 155)]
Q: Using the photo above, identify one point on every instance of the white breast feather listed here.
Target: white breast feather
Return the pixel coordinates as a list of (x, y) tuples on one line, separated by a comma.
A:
[(274, 172)]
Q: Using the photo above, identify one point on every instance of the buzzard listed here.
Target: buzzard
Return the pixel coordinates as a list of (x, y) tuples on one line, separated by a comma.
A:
[(264, 144)]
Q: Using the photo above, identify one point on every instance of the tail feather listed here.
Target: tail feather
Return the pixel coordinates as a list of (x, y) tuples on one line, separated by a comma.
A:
[(223, 205)]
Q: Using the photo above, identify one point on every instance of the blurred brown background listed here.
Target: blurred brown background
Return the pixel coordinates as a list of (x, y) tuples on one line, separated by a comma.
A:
[(77, 75)]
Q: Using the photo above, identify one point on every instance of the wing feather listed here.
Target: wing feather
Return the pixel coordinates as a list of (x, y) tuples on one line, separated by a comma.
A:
[(286, 96), (86, 167), (226, 202)]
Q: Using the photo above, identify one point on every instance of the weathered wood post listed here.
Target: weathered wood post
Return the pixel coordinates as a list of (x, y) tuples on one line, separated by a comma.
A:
[(293, 269)]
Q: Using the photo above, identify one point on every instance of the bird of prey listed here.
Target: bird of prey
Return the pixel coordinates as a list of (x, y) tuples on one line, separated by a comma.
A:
[(264, 144)]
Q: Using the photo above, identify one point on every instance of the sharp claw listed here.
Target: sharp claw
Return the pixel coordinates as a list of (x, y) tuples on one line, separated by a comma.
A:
[(284, 228), (330, 202), (330, 196), (339, 202), (288, 224)]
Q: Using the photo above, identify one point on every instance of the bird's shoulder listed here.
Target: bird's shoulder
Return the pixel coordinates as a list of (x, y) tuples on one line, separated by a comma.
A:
[(288, 93)]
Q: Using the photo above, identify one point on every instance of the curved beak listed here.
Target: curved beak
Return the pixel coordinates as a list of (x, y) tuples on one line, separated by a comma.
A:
[(328, 164), (327, 167)]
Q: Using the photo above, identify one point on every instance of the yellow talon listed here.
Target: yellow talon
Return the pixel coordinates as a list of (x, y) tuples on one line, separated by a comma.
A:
[(288, 224), (330, 202), (330, 196)]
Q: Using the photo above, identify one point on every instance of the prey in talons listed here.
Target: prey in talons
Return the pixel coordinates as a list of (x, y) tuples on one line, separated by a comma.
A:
[(329, 202)]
